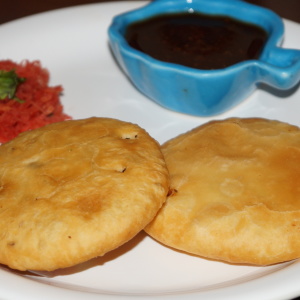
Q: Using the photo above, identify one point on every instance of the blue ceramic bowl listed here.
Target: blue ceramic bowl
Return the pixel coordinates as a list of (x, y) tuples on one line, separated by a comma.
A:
[(205, 92)]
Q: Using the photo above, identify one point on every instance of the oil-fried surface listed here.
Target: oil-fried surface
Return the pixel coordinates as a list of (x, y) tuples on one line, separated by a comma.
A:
[(236, 192), (75, 190)]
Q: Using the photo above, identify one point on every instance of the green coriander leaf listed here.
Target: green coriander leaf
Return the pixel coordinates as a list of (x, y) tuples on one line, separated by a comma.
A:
[(9, 82)]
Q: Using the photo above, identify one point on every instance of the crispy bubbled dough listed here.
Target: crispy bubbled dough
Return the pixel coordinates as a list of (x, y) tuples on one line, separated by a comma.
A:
[(75, 190), (236, 192)]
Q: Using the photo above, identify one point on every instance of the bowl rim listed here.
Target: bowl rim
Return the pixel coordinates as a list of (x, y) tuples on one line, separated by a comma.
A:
[(275, 31)]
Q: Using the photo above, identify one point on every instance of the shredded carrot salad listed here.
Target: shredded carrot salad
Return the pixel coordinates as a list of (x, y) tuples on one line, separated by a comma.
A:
[(40, 103)]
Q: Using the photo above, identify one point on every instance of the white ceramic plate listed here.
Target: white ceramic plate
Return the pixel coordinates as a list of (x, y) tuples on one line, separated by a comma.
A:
[(72, 44)]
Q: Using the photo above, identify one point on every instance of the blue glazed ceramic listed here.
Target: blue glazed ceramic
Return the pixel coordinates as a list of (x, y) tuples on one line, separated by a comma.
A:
[(206, 92)]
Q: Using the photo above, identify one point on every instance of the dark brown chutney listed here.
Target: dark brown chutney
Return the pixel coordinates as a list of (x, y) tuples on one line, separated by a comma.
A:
[(197, 40)]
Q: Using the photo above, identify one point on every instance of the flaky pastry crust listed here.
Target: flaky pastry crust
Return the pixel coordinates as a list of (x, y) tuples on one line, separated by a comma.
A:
[(75, 190), (235, 192)]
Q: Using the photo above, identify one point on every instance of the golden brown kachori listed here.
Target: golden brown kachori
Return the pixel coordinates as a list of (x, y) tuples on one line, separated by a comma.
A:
[(75, 190), (236, 192)]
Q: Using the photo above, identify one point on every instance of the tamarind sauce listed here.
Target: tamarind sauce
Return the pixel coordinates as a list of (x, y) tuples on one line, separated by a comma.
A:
[(197, 40)]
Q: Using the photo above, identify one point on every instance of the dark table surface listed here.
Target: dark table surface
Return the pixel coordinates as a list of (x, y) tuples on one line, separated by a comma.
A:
[(14, 9)]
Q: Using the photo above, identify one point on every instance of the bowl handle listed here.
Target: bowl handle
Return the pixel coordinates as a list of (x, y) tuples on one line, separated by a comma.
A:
[(281, 68)]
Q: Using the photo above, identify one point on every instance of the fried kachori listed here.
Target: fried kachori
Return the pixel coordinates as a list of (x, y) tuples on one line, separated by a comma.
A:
[(235, 192), (74, 190)]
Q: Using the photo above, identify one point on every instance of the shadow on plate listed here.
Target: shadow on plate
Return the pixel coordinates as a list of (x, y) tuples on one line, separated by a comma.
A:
[(97, 261), (278, 93)]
